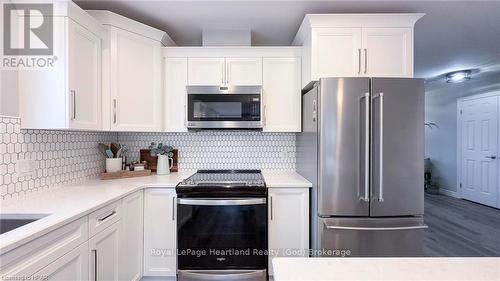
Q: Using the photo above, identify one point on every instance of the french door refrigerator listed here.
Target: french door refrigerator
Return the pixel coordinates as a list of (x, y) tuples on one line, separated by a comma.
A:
[(362, 147)]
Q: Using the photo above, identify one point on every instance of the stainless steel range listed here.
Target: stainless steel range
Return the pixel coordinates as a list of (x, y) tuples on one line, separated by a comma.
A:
[(222, 226)]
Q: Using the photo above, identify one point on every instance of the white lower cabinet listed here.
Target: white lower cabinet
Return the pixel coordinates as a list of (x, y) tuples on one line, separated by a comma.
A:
[(160, 231), (288, 225), (131, 237), (72, 266), (104, 254)]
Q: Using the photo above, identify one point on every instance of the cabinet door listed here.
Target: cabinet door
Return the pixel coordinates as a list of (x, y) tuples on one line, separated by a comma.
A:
[(131, 237), (160, 232), (288, 221), (135, 82), (84, 78), (206, 71), (282, 94), (336, 52), (244, 71), (176, 80), (104, 254), (72, 266), (388, 52)]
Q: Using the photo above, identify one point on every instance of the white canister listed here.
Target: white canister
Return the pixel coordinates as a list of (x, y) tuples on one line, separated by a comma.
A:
[(164, 164), (113, 165)]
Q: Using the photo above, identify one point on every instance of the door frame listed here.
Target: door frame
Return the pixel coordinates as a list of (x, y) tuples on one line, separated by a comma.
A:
[(459, 138)]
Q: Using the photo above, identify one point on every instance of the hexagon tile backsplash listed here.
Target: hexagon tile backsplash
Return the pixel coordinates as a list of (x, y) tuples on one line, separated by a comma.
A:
[(60, 157), (63, 157)]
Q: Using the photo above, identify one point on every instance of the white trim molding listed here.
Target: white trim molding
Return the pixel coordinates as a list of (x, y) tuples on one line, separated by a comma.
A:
[(450, 193)]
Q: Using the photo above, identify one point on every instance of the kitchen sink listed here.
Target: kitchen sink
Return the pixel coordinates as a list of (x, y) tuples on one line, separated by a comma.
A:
[(10, 222)]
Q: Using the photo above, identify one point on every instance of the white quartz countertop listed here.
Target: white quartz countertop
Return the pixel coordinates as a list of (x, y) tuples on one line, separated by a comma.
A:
[(386, 269), (64, 204)]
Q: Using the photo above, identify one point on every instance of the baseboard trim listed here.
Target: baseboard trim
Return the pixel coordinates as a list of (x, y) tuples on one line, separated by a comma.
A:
[(448, 192)]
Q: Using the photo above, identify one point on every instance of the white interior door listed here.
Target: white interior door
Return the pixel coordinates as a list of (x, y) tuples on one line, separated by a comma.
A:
[(479, 150)]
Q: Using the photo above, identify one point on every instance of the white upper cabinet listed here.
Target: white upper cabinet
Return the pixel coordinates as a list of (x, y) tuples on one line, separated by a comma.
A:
[(132, 79), (366, 45), (176, 79), (84, 77), (282, 94), (388, 52), (243, 71), (135, 82), (224, 71), (337, 52), (206, 71), (67, 94)]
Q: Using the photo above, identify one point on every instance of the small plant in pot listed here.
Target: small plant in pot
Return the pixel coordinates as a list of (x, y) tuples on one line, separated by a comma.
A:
[(165, 160)]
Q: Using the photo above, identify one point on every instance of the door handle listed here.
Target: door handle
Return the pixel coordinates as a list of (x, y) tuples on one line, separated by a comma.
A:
[(375, 228), (381, 148), (73, 103), (366, 196), (491, 157), (271, 206), (366, 60), (173, 208), (95, 264), (359, 61), (114, 111)]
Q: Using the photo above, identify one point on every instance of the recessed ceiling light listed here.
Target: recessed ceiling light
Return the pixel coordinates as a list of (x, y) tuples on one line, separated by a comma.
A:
[(458, 76)]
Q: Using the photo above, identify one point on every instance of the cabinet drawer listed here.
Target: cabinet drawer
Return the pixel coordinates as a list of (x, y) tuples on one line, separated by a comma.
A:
[(104, 217), (29, 258)]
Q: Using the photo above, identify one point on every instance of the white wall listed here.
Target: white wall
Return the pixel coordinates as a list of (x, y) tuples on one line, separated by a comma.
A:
[(441, 108)]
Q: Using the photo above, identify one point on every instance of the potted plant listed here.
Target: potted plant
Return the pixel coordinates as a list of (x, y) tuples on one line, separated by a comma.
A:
[(165, 160)]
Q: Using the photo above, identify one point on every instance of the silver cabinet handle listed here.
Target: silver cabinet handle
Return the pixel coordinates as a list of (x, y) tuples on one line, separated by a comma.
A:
[(94, 252), (375, 228), (107, 216), (250, 275), (366, 196), (173, 208), (265, 115), (185, 114), (271, 206), (381, 148), (222, 202), (491, 157), (359, 61), (73, 104), (366, 60), (114, 110)]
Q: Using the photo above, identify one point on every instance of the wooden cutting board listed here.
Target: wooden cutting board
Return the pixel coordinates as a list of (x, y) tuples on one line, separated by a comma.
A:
[(125, 174)]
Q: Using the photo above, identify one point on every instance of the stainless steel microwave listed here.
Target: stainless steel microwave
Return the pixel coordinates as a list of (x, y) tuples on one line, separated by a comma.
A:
[(224, 107)]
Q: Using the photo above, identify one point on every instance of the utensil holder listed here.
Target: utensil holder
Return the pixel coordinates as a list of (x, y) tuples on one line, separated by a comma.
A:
[(113, 165)]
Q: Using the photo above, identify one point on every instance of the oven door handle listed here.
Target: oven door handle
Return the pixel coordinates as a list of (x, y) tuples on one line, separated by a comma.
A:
[(221, 202), (221, 275)]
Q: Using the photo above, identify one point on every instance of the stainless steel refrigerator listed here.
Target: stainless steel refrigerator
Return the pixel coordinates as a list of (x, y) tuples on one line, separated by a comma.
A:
[(362, 147)]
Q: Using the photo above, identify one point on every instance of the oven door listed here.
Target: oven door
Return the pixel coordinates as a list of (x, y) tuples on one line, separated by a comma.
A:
[(213, 107), (221, 235)]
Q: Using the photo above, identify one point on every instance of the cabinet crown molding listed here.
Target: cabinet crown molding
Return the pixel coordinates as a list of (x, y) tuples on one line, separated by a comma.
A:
[(354, 20), (119, 21)]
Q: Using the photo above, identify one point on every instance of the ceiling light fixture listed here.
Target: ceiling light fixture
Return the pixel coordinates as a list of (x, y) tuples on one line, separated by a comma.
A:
[(458, 76)]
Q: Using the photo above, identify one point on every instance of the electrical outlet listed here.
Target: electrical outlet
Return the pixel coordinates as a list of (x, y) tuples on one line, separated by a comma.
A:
[(25, 166), (284, 154)]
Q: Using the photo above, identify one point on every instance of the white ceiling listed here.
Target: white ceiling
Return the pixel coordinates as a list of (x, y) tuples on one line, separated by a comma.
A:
[(453, 35)]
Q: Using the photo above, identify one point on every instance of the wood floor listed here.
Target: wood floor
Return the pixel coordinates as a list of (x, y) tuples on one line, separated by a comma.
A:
[(459, 228)]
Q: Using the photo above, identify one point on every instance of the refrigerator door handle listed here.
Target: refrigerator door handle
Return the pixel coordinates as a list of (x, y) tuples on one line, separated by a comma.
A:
[(381, 148), (366, 196), (375, 228)]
